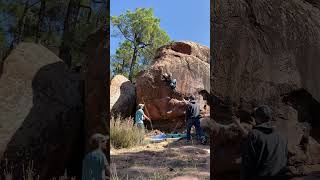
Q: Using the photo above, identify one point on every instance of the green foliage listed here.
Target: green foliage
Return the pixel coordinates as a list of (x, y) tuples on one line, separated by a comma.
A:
[(123, 134), (51, 30), (142, 31), (121, 59), (83, 29)]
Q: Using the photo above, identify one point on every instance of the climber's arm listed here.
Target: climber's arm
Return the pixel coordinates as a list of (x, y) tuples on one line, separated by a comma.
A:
[(146, 117), (242, 129)]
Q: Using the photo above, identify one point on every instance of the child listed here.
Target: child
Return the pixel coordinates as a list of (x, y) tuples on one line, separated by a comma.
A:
[(140, 116), (95, 164)]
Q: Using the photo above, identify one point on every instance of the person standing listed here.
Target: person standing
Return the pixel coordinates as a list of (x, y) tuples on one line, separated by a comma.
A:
[(193, 119), (140, 116), (95, 165)]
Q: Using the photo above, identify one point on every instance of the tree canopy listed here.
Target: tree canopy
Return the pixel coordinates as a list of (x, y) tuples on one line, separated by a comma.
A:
[(62, 25), (142, 36)]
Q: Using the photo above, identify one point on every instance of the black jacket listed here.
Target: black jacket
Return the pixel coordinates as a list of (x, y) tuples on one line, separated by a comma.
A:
[(265, 153)]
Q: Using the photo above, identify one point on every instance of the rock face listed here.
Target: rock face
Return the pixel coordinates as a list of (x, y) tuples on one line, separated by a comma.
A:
[(122, 96), (265, 52), (1, 68), (189, 64), (96, 86), (40, 112)]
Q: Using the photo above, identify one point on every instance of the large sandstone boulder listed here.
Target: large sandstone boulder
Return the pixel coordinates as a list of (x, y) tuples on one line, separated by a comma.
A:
[(40, 113), (263, 52), (122, 96), (189, 64)]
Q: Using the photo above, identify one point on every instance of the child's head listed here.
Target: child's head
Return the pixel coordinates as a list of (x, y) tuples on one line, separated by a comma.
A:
[(98, 141), (140, 106)]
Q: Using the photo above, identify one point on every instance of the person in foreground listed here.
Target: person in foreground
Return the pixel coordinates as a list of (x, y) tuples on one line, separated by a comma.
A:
[(265, 150), (95, 164), (140, 116), (193, 118)]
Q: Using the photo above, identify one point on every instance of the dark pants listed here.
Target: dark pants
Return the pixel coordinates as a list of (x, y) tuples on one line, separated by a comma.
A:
[(196, 123)]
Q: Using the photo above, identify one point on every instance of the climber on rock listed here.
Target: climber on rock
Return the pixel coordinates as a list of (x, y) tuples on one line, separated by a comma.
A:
[(173, 82), (170, 80), (193, 119), (140, 116), (265, 151), (165, 77)]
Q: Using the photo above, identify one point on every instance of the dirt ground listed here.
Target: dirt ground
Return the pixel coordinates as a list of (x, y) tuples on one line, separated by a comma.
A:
[(164, 160)]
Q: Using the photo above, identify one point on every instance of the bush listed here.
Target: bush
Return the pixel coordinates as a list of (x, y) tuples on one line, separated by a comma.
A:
[(124, 134)]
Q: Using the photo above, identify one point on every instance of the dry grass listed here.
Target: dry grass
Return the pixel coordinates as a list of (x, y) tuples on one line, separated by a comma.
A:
[(161, 161), (29, 173), (154, 176), (124, 134)]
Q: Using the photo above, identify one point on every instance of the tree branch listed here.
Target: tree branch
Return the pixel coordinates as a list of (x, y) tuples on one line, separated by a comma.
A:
[(95, 1), (124, 34), (31, 5)]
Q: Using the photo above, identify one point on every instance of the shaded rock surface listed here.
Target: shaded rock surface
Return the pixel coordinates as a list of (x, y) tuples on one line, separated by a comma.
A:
[(189, 64), (265, 52), (97, 97), (40, 113), (122, 96)]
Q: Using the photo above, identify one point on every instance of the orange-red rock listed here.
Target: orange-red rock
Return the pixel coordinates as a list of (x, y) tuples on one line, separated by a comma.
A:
[(188, 63)]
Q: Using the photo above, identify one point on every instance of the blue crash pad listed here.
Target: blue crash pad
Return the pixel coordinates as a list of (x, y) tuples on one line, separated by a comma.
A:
[(163, 137)]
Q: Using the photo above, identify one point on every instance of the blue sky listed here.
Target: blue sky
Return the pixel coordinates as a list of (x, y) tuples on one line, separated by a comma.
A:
[(181, 19)]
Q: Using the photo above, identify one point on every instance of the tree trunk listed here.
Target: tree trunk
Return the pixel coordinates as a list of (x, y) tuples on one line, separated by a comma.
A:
[(123, 65), (133, 62), (40, 20), (47, 41), (21, 23), (70, 22)]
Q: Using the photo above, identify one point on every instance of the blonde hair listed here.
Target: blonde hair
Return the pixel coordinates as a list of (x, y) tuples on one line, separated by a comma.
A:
[(96, 139), (140, 106)]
